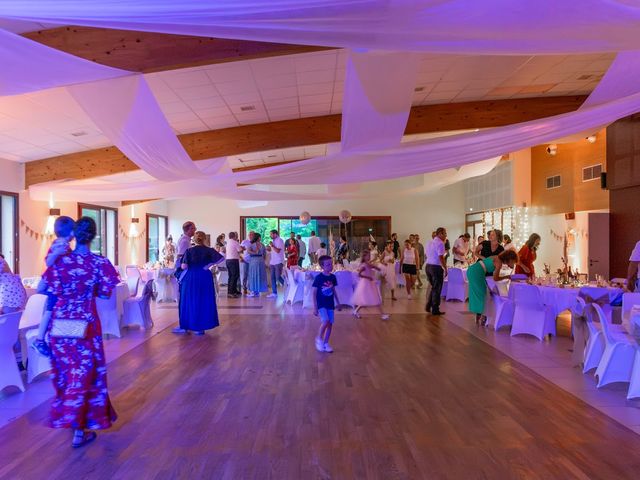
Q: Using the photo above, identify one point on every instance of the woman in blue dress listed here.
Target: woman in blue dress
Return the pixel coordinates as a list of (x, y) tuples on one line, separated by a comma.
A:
[(198, 311), (257, 268)]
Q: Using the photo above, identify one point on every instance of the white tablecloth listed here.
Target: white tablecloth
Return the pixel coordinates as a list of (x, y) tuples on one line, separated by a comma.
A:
[(347, 280)]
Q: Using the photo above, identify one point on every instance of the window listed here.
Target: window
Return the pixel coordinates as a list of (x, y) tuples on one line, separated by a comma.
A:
[(553, 182), (9, 229), (156, 235), (106, 241), (591, 173), (358, 231)]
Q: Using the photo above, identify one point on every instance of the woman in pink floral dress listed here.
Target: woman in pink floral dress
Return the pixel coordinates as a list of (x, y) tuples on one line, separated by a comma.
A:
[(79, 370)]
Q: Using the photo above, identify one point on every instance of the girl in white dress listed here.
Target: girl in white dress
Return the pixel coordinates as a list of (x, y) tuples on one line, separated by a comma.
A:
[(366, 293), (389, 263), (373, 249)]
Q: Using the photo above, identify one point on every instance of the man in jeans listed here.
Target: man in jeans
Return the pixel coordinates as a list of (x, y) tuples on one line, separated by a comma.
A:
[(436, 270), (276, 247), (233, 265)]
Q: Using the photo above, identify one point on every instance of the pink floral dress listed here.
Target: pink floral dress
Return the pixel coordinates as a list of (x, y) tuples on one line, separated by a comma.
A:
[(78, 364)]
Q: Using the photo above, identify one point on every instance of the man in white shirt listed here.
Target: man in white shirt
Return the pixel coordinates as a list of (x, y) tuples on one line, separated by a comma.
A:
[(314, 245), (461, 249), (276, 247), (302, 250), (233, 265), (436, 270), (632, 272), (244, 264)]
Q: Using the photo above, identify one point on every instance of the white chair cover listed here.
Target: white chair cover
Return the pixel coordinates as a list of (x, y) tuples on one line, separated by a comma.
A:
[(345, 287), (593, 349), (166, 286), (132, 283), (307, 301), (498, 308), (36, 363), (619, 353), (399, 275), (30, 317), (630, 300), (108, 314), (634, 385), (531, 316), (295, 289), (137, 310), (457, 288), (9, 372), (132, 271)]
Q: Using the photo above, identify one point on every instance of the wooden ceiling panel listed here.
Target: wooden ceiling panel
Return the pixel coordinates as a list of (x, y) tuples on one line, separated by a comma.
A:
[(301, 132)]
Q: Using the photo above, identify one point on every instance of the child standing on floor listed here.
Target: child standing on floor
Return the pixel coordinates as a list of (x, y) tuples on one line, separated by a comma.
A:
[(324, 300), (367, 293), (63, 228)]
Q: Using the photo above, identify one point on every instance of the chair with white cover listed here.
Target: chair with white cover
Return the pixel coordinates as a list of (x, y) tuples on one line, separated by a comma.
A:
[(594, 348), (531, 316), (9, 372), (617, 360), (36, 363), (345, 287), (498, 308), (132, 283), (458, 288), (109, 315), (137, 310), (295, 290), (31, 317), (629, 300), (307, 301)]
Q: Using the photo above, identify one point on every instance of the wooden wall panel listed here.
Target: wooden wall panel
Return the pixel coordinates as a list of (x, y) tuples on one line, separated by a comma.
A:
[(623, 179), (301, 132)]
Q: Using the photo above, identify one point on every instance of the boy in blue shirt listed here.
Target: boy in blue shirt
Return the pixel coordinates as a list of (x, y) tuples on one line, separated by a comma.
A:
[(324, 300)]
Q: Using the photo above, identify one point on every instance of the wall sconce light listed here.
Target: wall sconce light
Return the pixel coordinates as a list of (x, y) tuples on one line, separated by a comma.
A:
[(135, 220), (591, 139), (54, 212), (552, 149)]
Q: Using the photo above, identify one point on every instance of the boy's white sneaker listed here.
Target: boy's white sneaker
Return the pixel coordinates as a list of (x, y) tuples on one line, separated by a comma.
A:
[(272, 295), (409, 296), (319, 344), (327, 348), (385, 316)]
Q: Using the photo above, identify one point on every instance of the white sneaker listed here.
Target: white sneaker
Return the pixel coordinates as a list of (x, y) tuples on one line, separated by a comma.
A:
[(409, 296), (327, 348), (272, 295), (319, 344), (385, 316)]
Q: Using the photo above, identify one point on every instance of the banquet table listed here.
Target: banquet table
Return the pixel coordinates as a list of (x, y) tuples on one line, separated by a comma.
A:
[(347, 281)]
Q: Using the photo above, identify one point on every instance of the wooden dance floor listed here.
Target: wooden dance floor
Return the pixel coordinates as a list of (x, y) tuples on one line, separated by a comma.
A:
[(409, 398)]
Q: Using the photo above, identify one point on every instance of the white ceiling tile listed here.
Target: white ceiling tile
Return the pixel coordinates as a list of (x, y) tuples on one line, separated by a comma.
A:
[(320, 109), (449, 87), (280, 93), (229, 72), (216, 123), (213, 112), (196, 92), (288, 113), (317, 61), (189, 127), (63, 148), (316, 76), (208, 102), (238, 109), (316, 88), (192, 78), (236, 87), (242, 98), (266, 67), (277, 81), (315, 99), (281, 103)]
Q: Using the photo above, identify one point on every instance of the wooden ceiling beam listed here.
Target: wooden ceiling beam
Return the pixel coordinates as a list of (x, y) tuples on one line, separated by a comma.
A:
[(148, 52), (302, 132)]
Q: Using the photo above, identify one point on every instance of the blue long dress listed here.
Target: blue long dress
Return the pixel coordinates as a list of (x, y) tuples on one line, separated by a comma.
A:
[(257, 269), (198, 310)]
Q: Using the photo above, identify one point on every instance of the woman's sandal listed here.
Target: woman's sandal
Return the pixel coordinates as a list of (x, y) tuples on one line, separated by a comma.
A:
[(87, 438)]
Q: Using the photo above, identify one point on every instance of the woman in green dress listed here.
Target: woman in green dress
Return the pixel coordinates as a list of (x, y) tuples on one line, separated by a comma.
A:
[(476, 275)]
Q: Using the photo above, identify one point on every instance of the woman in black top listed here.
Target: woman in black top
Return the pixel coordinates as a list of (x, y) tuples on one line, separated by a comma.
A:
[(491, 247)]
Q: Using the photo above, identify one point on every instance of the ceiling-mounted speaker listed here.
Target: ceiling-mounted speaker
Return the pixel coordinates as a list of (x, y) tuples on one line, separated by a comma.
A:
[(603, 180)]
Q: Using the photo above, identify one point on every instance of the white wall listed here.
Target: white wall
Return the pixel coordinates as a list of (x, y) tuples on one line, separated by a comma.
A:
[(409, 214)]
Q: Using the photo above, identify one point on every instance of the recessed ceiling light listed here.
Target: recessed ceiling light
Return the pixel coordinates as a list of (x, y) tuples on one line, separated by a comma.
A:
[(247, 108), (81, 133)]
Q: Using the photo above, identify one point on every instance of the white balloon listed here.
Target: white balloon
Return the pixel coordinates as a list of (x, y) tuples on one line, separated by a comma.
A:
[(305, 218), (345, 216)]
